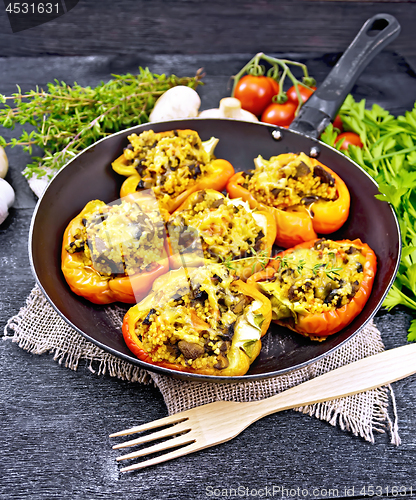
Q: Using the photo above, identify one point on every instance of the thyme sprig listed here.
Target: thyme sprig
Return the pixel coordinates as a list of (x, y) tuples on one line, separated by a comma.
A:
[(261, 257), (331, 272), (284, 261), (68, 118)]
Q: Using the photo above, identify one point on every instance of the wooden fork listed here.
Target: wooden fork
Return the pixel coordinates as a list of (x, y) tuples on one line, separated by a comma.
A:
[(215, 423)]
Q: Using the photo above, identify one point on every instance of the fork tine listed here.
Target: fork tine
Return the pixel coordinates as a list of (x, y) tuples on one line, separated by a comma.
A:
[(166, 445), (163, 458), (173, 419), (170, 431)]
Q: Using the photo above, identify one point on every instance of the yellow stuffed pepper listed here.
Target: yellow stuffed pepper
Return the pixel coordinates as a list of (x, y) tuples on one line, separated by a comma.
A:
[(113, 253), (174, 164), (210, 226), (306, 197), (206, 321)]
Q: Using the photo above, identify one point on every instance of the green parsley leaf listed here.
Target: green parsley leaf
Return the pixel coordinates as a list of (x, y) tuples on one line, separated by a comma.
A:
[(412, 331), (389, 156)]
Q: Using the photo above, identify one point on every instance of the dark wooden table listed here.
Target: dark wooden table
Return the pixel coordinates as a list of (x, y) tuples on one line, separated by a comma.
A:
[(55, 422)]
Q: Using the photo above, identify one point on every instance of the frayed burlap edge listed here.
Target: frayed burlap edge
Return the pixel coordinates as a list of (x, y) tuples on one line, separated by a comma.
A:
[(38, 329), (49, 333)]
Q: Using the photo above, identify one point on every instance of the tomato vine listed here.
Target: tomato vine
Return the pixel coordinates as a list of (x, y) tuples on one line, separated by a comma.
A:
[(279, 70)]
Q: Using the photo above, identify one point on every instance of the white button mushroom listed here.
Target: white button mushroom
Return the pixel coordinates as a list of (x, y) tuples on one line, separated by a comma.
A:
[(177, 102), (6, 199), (4, 163), (230, 107)]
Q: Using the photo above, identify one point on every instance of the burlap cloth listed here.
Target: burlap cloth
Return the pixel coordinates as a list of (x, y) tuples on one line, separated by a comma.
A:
[(38, 329)]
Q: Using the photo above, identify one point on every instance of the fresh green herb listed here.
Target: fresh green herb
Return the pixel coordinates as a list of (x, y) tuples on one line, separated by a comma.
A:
[(332, 272), (284, 261), (389, 156), (228, 262), (300, 265), (67, 119), (316, 268), (261, 258)]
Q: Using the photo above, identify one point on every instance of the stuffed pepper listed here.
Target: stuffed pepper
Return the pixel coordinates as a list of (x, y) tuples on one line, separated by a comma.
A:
[(204, 321), (113, 253), (305, 196), (209, 226), (174, 164), (318, 287)]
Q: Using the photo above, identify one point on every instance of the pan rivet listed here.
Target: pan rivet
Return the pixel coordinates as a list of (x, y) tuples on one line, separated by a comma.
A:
[(277, 135), (314, 152)]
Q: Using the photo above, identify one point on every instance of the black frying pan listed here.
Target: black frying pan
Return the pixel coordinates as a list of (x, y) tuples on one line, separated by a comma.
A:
[(90, 176)]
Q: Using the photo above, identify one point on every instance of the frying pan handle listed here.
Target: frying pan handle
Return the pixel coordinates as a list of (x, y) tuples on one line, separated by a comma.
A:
[(323, 105)]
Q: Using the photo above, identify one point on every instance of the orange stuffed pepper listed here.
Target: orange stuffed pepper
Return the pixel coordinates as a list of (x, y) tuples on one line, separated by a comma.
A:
[(306, 197), (317, 288), (206, 322), (213, 228), (174, 164), (113, 253)]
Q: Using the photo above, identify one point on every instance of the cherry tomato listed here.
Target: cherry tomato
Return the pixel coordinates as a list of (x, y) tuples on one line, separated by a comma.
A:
[(279, 114), (337, 123), (255, 92), (349, 138), (275, 85), (304, 92)]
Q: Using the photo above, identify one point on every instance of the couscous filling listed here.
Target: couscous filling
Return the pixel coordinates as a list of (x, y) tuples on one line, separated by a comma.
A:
[(315, 280), (168, 164), (192, 322), (228, 229), (120, 239), (283, 183)]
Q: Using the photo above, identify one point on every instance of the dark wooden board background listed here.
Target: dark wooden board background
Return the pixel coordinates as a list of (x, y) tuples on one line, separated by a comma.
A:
[(55, 422), (137, 27)]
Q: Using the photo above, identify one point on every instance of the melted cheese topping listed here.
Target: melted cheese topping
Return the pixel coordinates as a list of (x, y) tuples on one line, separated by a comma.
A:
[(283, 183), (228, 229), (248, 328), (120, 239), (168, 164)]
